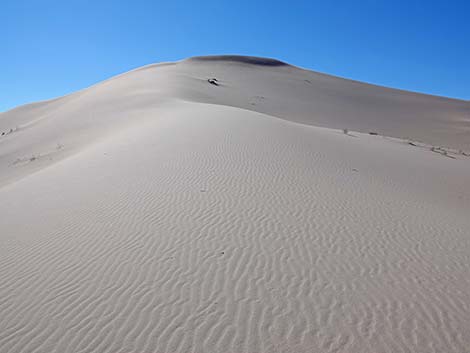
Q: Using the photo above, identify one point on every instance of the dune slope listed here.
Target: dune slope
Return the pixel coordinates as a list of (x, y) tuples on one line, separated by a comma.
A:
[(156, 212)]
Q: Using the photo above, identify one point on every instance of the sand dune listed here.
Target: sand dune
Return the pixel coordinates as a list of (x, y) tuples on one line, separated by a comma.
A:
[(156, 212)]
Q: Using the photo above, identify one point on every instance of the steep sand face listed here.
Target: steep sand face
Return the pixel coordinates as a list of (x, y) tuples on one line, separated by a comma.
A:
[(316, 99), (258, 84), (149, 213)]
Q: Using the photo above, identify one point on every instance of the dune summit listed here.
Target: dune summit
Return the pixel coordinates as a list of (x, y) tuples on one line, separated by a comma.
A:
[(235, 204), (252, 60)]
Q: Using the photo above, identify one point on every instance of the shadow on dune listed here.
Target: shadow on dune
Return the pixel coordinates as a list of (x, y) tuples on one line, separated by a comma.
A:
[(253, 60)]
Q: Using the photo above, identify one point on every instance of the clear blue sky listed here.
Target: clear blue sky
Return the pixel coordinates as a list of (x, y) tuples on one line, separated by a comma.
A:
[(50, 48)]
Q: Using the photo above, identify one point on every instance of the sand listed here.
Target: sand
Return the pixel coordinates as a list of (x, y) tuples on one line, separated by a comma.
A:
[(156, 212)]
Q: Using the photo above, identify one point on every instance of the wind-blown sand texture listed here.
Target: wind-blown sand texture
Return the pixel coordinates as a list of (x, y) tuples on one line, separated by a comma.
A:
[(156, 212)]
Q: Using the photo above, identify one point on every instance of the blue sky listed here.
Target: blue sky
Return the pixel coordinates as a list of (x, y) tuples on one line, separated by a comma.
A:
[(50, 48)]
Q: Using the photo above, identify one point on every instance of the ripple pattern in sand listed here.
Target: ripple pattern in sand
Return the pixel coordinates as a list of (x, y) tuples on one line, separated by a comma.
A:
[(219, 231)]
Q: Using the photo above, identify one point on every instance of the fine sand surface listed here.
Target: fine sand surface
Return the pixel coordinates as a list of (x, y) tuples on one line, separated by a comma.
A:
[(156, 212)]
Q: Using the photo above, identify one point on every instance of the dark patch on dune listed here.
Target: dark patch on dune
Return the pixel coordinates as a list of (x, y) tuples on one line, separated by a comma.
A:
[(252, 60)]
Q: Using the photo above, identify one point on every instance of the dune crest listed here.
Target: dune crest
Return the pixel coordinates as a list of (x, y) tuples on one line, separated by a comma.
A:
[(252, 60)]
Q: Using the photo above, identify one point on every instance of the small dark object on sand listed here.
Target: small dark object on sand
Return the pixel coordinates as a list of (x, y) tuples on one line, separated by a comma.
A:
[(373, 133), (213, 81), (412, 143)]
